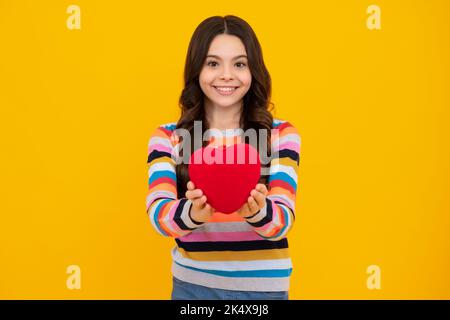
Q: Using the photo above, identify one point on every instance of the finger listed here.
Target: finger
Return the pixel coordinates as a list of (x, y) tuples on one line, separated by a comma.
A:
[(208, 208), (261, 188), (259, 197), (252, 204), (190, 185), (192, 194), (211, 208), (199, 202), (245, 209)]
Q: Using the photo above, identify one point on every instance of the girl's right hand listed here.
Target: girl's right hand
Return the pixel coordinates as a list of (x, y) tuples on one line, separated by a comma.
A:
[(200, 210)]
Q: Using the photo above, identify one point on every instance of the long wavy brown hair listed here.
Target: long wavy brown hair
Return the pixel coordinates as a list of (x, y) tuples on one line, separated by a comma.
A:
[(256, 102)]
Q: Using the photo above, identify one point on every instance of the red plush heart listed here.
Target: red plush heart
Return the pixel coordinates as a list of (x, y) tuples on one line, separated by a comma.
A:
[(227, 183)]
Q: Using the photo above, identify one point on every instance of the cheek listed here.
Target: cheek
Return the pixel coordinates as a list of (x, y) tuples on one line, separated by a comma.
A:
[(246, 79), (206, 78)]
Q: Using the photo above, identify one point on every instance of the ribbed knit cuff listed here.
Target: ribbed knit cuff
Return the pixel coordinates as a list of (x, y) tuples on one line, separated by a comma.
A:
[(190, 217), (261, 217)]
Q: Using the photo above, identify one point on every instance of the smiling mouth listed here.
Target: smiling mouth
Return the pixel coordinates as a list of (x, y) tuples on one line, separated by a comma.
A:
[(225, 90)]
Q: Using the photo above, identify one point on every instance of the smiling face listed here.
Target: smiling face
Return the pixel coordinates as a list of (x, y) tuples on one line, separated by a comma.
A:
[(225, 77)]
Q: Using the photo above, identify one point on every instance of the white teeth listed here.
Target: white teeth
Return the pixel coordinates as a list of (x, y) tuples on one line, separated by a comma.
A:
[(226, 89)]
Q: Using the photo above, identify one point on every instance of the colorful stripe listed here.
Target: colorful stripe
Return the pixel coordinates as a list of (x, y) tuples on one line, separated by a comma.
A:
[(228, 251)]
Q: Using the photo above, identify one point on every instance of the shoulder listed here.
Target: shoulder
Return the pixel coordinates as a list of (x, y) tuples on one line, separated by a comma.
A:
[(284, 127), (162, 134), (286, 139), (164, 130), (167, 127)]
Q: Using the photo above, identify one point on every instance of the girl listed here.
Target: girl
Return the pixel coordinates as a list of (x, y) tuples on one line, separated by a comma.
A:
[(243, 255)]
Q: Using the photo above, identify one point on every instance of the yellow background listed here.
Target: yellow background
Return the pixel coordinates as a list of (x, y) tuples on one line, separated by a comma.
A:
[(78, 107)]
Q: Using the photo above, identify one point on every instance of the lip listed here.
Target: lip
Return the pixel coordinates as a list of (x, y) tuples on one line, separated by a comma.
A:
[(222, 93)]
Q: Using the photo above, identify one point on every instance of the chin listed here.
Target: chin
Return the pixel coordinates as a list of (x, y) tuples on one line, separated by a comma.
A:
[(225, 105), (225, 102)]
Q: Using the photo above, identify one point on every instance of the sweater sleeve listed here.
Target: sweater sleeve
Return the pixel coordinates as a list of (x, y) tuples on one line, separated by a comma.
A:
[(276, 218), (169, 215)]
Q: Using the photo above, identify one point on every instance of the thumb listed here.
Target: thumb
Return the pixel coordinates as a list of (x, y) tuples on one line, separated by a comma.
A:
[(199, 202), (208, 209)]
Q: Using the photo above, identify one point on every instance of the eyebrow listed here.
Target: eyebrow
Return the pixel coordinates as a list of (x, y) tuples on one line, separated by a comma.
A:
[(217, 57)]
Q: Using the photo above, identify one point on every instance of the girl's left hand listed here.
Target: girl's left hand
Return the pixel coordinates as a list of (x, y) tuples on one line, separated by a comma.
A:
[(255, 202)]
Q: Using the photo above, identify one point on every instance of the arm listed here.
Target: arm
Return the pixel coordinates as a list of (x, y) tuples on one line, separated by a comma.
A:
[(169, 215), (276, 218)]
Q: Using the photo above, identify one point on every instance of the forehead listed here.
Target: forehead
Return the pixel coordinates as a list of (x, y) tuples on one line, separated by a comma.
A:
[(226, 46)]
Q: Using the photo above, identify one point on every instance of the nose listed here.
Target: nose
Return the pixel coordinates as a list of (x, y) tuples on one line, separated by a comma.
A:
[(226, 75)]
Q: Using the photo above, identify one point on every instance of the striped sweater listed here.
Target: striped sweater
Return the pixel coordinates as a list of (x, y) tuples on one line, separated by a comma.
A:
[(227, 251)]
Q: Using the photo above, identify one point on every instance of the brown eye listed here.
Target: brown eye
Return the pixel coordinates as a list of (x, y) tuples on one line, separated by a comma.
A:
[(241, 63), (209, 63)]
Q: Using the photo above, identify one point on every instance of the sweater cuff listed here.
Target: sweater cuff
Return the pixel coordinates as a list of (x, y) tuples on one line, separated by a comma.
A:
[(261, 217), (191, 220)]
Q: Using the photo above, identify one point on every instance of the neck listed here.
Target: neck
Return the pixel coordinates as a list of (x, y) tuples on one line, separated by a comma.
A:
[(223, 117)]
